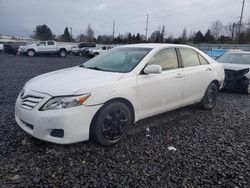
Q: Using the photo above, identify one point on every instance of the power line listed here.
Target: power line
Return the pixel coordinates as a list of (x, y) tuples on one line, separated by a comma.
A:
[(172, 12)]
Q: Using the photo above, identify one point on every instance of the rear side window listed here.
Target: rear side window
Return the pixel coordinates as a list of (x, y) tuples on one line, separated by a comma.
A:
[(203, 61), (166, 58), (50, 43), (189, 57)]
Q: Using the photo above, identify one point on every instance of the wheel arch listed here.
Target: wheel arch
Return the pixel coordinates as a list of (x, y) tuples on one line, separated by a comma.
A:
[(62, 49), (217, 83), (31, 49), (118, 99)]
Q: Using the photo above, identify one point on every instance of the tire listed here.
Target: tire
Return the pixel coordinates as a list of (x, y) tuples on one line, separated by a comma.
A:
[(247, 89), (62, 53), (95, 54), (31, 53), (209, 99), (111, 123)]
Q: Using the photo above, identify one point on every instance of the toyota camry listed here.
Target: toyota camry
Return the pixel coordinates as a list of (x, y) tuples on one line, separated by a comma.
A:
[(102, 98)]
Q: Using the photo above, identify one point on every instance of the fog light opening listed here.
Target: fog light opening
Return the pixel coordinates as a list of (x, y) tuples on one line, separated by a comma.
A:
[(59, 133)]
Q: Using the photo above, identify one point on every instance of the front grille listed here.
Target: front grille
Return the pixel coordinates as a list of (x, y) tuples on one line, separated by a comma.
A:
[(30, 101)]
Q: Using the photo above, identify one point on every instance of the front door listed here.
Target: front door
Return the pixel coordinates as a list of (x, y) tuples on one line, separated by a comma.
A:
[(158, 93)]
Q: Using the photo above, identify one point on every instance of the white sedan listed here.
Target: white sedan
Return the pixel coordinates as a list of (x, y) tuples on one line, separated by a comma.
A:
[(101, 98)]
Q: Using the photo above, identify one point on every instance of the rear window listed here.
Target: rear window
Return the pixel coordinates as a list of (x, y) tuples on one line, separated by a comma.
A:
[(203, 61), (189, 57), (50, 43)]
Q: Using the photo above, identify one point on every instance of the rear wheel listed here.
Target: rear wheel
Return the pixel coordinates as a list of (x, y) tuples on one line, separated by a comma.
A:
[(111, 124), (210, 97), (62, 53), (31, 53), (96, 54)]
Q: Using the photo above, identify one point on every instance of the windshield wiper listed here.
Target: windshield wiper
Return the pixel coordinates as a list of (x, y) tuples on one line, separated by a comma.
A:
[(95, 68), (82, 66)]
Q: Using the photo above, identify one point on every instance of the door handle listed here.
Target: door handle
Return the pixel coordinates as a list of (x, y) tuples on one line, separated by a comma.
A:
[(179, 75), (208, 69)]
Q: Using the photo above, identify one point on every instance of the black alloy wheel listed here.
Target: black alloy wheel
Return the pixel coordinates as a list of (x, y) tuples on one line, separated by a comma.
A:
[(111, 123)]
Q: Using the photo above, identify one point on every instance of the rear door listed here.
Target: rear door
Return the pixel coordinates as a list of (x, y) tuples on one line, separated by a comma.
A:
[(51, 47), (196, 75), (158, 93)]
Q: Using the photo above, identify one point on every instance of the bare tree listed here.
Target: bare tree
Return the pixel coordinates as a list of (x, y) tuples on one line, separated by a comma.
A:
[(82, 38), (184, 35), (217, 28), (90, 34), (162, 34), (230, 30)]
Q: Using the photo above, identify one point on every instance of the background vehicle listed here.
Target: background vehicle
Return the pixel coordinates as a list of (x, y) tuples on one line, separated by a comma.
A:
[(1, 46), (79, 49), (13, 47), (215, 53), (98, 50), (101, 98), (237, 74), (46, 47)]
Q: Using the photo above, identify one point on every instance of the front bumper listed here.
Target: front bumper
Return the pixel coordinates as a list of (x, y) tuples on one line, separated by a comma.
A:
[(236, 80), (73, 122)]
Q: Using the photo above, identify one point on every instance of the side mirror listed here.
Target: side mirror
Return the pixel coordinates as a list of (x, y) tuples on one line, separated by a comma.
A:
[(153, 69)]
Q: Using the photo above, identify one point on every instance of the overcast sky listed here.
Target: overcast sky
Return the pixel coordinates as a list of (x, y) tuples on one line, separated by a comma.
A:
[(19, 17)]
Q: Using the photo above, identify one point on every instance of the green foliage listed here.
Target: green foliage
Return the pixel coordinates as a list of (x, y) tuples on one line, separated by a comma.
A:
[(199, 38), (43, 32), (209, 38), (66, 37)]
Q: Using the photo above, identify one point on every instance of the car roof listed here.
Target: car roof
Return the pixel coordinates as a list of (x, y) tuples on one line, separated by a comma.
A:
[(239, 52), (156, 45)]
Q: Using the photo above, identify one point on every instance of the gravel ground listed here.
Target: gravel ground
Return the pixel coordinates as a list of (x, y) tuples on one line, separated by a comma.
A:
[(213, 147)]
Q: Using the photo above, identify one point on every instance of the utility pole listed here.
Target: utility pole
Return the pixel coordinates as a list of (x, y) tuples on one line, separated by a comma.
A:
[(241, 17), (113, 30), (233, 31), (147, 27), (71, 32)]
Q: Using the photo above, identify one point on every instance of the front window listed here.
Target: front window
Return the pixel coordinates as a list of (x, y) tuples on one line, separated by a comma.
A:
[(122, 59), (166, 58), (236, 58), (41, 44)]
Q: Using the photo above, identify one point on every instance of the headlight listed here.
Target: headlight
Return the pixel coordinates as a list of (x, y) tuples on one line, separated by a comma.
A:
[(65, 102)]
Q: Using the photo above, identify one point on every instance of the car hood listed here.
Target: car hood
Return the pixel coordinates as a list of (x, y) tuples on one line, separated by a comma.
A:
[(69, 81), (235, 67)]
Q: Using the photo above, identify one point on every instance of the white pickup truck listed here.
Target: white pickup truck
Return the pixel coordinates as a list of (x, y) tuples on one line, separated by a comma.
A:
[(46, 47)]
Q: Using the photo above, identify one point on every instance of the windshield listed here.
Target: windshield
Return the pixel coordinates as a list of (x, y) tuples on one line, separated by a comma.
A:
[(123, 59), (236, 58)]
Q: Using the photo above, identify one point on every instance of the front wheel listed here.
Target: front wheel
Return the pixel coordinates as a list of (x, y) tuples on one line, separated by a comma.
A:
[(62, 53), (31, 53), (111, 124), (209, 99)]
